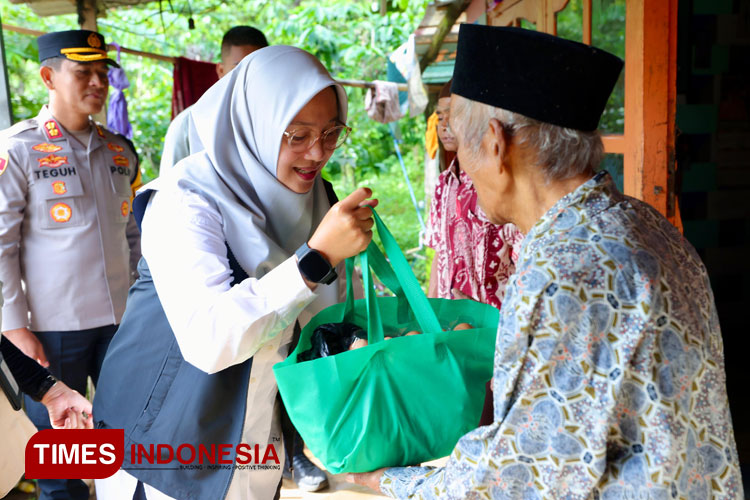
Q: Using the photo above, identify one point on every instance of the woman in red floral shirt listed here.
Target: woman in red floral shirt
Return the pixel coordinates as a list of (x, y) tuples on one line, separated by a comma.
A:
[(473, 257)]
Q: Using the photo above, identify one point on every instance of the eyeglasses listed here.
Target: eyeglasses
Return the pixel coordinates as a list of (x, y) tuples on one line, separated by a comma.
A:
[(303, 138)]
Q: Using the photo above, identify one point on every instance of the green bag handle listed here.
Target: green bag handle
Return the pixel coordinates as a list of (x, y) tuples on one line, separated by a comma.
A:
[(400, 279), (426, 317), (374, 322)]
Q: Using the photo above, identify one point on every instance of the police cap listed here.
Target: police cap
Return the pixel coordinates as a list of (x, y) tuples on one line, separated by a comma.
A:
[(77, 45)]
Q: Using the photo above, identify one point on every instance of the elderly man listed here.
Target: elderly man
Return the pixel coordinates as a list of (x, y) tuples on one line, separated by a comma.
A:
[(609, 372)]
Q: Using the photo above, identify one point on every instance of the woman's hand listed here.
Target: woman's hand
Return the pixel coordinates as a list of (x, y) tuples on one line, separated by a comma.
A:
[(67, 409), (346, 229)]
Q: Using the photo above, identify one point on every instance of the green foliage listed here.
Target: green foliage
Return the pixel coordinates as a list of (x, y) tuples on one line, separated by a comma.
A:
[(607, 33), (350, 37)]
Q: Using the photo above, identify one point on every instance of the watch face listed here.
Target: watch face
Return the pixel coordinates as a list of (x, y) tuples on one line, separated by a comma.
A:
[(314, 266)]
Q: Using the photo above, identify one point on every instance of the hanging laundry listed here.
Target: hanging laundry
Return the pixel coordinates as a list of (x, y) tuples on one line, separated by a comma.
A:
[(405, 59), (381, 102), (191, 80), (117, 112)]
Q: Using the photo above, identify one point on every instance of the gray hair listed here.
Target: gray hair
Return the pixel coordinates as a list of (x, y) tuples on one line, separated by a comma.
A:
[(54, 62), (561, 152)]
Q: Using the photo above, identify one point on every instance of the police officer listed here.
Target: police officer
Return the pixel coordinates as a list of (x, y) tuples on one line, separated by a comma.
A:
[(68, 240)]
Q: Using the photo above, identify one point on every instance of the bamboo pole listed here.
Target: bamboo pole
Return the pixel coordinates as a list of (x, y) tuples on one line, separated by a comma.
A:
[(149, 55)]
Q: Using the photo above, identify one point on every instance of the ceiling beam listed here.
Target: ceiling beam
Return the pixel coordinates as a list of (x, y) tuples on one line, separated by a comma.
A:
[(452, 13)]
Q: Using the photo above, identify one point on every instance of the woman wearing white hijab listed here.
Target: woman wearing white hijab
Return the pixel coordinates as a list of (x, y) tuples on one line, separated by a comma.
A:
[(221, 287)]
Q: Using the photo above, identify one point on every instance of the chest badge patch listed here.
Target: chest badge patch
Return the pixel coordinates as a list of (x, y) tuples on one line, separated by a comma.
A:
[(53, 161), (115, 147), (3, 162), (52, 130), (120, 161), (125, 208), (58, 187), (46, 147), (61, 212)]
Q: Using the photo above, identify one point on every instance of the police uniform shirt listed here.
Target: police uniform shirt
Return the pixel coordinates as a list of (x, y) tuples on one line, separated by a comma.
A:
[(65, 224)]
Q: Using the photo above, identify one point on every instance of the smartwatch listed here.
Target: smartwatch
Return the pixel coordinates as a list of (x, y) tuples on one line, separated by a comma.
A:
[(313, 266)]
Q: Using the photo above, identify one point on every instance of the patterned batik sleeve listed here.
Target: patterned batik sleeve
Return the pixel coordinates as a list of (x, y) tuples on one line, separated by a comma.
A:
[(564, 396)]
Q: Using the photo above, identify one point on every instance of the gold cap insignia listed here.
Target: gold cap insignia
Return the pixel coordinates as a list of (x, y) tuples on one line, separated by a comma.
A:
[(94, 41)]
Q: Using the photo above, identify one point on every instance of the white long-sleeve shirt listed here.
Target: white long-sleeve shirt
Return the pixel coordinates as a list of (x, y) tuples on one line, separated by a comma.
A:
[(216, 325)]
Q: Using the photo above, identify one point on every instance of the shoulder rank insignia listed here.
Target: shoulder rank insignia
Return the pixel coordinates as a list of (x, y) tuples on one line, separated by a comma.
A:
[(46, 147), (115, 147), (61, 212), (120, 161), (3, 161), (58, 187), (99, 130), (52, 161), (52, 130)]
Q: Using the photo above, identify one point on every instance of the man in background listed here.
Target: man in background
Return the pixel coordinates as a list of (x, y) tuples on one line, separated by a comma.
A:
[(236, 44)]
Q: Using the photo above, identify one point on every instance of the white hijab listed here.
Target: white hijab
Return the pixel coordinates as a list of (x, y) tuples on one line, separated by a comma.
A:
[(237, 126)]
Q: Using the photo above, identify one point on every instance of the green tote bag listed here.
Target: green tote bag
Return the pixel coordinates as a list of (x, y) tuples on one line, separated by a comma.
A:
[(394, 402)]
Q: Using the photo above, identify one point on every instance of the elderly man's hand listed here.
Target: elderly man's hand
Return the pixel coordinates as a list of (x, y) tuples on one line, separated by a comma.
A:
[(67, 408), (369, 479)]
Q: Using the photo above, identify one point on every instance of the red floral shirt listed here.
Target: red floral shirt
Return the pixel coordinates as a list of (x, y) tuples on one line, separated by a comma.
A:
[(472, 254)]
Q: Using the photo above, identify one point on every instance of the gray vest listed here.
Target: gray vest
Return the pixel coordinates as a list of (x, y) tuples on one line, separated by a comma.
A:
[(148, 389)]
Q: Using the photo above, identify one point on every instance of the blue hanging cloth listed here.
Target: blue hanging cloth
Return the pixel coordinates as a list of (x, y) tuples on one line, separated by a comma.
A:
[(117, 114)]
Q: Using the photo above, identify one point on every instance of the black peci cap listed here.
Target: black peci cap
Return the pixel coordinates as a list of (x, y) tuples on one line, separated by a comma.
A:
[(537, 75), (77, 45)]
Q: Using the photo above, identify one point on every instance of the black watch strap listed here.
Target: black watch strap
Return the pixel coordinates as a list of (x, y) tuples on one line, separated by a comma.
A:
[(44, 387), (314, 266)]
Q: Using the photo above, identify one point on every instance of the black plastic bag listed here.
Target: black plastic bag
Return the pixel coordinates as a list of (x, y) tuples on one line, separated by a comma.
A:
[(332, 338)]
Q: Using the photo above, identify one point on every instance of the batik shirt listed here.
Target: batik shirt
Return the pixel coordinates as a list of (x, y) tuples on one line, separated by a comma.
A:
[(472, 254), (609, 378)]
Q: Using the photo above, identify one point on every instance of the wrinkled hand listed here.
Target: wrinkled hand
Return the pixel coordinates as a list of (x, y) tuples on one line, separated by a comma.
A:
[(67, 408), (28, 344), (369, 479), (346, 229)]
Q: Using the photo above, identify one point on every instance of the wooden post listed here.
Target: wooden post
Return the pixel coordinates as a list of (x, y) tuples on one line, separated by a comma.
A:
[(587, 22), (650, 88), (87, 14), (87, 19)]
